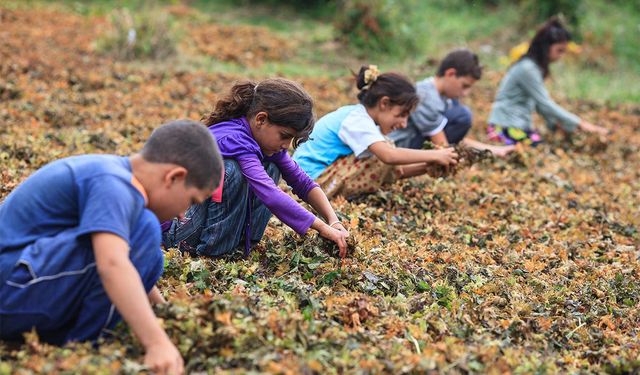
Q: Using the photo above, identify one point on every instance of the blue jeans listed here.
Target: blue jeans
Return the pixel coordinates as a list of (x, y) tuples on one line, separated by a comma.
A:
[(214, 229), (459, 121), (55, 287)]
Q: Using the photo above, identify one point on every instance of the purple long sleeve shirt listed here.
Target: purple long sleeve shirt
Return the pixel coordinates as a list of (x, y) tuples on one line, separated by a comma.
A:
[(236, 141)]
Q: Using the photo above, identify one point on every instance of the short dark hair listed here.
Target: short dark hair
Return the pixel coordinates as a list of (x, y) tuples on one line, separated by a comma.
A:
[(551, 32), (188, 144), (395, 86), (465, 62), (285, 102)]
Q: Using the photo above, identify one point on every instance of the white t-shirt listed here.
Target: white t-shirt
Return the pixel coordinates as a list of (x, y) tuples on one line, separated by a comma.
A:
[(359, 131)]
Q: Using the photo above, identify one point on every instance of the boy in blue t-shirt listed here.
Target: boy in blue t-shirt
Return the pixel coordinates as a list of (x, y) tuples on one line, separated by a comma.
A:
[(80, 240)]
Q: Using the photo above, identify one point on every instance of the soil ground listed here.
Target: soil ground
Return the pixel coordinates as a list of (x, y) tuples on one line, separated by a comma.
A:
[(523, 265)]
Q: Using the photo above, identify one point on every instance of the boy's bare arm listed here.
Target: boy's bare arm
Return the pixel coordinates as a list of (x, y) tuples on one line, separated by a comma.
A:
[(497, 150), (124, 287), (440, 139)]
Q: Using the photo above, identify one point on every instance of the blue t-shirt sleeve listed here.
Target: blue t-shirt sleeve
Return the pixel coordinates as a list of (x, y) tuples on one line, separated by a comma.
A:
[(108, 204)]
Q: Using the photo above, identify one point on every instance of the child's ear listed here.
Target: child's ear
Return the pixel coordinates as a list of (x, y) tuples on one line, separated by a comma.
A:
[(384, 103), (451, 72), (261, 118), (174, 174)]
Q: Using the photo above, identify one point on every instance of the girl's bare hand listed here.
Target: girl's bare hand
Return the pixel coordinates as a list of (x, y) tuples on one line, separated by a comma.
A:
[(446, 156), (338, 236), (341, 228), (591, 128), (502, 151)]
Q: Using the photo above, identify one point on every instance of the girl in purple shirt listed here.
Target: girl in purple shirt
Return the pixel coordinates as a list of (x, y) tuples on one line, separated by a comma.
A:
[(254, 126)]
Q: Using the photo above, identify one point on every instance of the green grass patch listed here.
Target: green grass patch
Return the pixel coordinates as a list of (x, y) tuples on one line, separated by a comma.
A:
[(426, 31)]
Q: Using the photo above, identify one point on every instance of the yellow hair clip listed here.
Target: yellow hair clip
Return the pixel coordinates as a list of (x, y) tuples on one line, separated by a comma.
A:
[(370, 75)]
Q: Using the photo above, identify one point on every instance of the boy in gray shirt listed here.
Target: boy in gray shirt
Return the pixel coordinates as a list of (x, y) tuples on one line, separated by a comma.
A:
[(439, 115)]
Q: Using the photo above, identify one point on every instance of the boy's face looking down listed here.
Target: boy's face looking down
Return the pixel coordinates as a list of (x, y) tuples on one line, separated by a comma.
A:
[(172, 196), (456, 87)]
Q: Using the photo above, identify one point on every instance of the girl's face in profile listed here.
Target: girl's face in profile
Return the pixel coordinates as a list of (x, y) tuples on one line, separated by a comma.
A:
[(391, 117), (557, 50), (270, 137)]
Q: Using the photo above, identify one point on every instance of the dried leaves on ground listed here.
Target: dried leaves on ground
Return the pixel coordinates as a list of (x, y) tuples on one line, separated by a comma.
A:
[(525, 264)]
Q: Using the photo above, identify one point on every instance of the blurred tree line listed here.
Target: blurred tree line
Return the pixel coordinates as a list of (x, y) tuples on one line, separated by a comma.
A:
[(384, 25)]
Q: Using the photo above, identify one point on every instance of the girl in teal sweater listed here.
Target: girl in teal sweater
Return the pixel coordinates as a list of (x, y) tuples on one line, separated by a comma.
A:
[(522, 90)]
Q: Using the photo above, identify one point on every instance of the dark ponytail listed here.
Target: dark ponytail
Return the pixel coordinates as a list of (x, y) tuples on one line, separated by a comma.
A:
[(549, 33), (374, 86), (285, 102), (234, 105)]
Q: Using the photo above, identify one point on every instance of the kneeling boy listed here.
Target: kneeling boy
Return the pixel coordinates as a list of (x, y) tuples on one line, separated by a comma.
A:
[(439, 116), (80, 240)]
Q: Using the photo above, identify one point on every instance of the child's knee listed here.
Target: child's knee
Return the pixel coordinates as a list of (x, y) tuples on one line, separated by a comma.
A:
[(273, 172), (459, 116), (232, 171), (234, 181), (466, 117)]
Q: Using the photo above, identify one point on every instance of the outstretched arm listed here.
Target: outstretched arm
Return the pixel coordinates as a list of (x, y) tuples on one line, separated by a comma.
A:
[(497, 150), (531, 80), (400, 156), (286, 208), (124, 287)]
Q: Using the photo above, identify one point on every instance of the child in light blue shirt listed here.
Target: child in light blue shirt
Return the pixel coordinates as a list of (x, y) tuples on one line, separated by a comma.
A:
[(349, 130), (347, 152)]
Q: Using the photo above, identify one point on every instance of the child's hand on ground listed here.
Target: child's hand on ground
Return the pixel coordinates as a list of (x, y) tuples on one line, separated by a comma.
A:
[(446, 156), (155, 297), (502, 151), (591, 128), (338, 236), (341, 228), (164, 358)]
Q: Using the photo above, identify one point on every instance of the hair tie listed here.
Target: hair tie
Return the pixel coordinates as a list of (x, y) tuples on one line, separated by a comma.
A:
[(370, 76)]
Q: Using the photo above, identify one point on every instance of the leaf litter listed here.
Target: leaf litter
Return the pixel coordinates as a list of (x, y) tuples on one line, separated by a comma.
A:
[(517, 265)]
